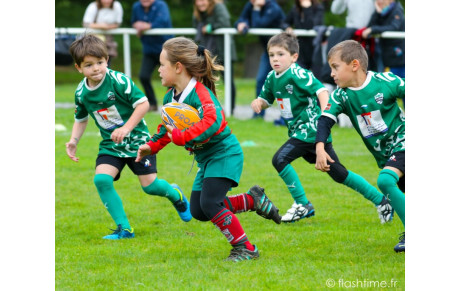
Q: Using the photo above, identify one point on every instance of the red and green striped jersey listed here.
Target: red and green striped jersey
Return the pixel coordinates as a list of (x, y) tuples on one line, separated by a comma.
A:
[(206, 136)]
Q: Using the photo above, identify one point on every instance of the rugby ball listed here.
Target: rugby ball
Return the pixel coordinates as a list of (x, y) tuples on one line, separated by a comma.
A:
[(179, 115)]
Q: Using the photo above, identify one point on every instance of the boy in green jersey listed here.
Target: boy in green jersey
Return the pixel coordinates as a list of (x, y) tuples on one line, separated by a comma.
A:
[(369, 99), (301, 97), (117, 107)]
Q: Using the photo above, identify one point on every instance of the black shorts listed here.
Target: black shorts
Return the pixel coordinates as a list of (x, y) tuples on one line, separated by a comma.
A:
[(148, 165), (398, 161)]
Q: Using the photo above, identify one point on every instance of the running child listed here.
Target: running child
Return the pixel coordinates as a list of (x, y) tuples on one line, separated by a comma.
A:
[(369, 99), (301, 97), (188, 69), (117, 107)]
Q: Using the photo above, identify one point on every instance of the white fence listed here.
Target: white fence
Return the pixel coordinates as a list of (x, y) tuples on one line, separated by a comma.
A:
[(226, 32)]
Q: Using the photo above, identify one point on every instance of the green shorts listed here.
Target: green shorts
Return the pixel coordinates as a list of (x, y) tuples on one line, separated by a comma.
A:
[(226, 162)]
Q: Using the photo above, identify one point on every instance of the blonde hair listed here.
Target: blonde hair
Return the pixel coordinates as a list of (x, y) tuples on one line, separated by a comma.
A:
[(198, 61), (88, 45), (348, 51), (209, 11)]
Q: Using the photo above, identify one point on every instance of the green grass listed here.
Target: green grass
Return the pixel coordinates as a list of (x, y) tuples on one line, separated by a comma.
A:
[(345, 239)]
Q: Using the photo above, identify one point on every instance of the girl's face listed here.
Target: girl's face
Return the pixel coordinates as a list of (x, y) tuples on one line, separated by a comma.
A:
[(280, 58), (93, 69), (167, 70), (202, 5), (341, 71), (106, 3)]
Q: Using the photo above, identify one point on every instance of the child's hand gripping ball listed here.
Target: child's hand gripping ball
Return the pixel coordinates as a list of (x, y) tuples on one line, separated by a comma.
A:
[(179, 115)]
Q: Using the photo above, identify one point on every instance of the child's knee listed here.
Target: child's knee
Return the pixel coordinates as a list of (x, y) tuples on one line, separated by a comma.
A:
[(103, 181), (279, 162), (386, 180)]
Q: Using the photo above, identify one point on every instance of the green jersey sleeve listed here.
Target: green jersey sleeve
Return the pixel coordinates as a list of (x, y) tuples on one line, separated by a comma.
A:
[(81, 114), (267, 93)]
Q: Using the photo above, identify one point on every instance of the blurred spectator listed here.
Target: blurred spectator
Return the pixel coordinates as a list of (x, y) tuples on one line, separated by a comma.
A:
[(359, 12), (105, 15), (305, 14), (209, 15), (389, 16), (261, 14), (148, 14)]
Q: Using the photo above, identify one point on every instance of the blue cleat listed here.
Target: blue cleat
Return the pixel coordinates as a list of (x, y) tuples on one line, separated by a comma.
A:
[(401, 246), (120, 233), (182, 205)]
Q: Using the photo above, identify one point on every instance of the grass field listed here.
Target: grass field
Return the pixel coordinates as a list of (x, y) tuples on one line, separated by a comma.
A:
[(343, 244)]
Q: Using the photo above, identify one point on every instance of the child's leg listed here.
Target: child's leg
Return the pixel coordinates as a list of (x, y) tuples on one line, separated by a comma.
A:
[(288, 152), (146, 171), (388, 183), (255, 200), (213, 193), (354, 181), (103, 180)]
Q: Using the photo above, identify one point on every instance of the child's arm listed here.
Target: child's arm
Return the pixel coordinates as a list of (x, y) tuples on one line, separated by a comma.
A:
[(258, 104), (119, 134), (324, 129), (323, 98), (77, 131)]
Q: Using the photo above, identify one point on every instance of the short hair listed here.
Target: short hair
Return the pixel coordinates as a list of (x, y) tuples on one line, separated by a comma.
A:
[(88, 45), (285, 40), (348, 51)]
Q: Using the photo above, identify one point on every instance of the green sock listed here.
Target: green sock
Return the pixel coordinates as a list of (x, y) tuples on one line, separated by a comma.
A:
[(160, 187), (387, 182), (292, 181), (359, 184), (111, 200)]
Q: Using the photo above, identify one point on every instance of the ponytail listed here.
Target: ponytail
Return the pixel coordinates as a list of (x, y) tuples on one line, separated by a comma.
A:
[(197, 60)]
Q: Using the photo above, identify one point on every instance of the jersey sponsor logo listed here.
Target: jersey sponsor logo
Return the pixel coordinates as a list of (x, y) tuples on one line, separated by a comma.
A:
[(371, 123), (328, 106), (284, 105), (379, 98), (289, 88), (108, 118), (111, 96), (364, 106)]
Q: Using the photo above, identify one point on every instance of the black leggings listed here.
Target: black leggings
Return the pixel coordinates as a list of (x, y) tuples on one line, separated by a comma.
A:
[(205, 204), (294, 149)]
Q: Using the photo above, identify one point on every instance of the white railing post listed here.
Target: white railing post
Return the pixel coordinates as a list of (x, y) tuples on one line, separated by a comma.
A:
[(228, 74), (127, 54)]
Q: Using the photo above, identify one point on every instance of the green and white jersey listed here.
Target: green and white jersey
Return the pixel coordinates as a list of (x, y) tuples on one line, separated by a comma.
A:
[(111, 104), (295, 90), (374, 113)]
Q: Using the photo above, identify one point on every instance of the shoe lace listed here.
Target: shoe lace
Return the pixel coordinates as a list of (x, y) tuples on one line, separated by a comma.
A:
[(117, 230), (180, 205)]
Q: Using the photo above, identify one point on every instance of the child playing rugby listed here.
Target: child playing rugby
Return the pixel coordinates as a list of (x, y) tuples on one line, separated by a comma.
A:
[(369, 99), (117, 107), (189, 70), (301, 97)]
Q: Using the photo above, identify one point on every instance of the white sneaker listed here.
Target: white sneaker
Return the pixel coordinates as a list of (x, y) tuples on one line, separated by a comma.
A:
[(385, 211), (298, 211)]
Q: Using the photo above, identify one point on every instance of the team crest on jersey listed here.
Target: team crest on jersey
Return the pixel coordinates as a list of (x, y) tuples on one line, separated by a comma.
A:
[(111, 96), (379, 98), (289, 88)]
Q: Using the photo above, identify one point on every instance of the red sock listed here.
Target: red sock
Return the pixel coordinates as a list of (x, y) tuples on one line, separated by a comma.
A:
[(230, 226), (239, 203)]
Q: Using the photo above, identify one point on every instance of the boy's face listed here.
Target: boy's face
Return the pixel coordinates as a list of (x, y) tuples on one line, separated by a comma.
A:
[(342, 72), (280, 58), (93, 69)]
